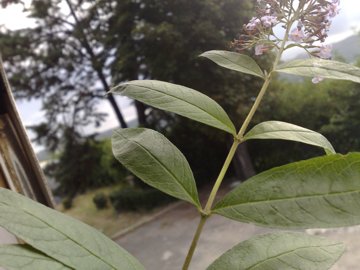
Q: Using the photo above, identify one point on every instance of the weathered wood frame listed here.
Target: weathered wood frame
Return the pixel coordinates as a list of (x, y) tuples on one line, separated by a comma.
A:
[(14, 138)]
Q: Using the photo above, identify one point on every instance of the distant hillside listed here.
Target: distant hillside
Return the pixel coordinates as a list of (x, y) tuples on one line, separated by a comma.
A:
[(349, 49)]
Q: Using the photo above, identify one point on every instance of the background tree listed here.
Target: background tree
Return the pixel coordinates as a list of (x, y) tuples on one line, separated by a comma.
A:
[(90, 167), (63, 62), (330, 107), (165, 45), (79, 48)]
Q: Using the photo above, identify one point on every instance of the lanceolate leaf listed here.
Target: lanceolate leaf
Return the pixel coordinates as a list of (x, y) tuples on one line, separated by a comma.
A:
[(286, 131), (155, 160), (321, 68), (23, 257), (320, 192), (178, 99), (276, 251), (71, 242), (235, 61)]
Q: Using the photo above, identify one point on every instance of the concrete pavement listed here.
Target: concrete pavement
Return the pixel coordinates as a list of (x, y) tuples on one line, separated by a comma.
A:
[(162, 244)]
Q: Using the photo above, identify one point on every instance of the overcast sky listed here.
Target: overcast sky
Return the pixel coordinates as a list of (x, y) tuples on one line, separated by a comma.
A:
[(343, 26)]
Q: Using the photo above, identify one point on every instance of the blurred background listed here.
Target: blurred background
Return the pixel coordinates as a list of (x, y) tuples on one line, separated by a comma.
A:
[(62, 56)]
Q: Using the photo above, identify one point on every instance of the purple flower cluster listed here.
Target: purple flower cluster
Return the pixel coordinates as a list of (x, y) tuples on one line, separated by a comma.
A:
[(315, 21), (314, 25), (312, 19), (258, 29)]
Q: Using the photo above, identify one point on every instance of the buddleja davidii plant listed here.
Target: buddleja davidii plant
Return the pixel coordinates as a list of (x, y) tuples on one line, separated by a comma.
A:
[(320, 192)]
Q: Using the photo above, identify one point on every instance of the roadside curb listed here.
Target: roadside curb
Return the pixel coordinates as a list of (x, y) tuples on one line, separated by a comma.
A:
[(123, 232)]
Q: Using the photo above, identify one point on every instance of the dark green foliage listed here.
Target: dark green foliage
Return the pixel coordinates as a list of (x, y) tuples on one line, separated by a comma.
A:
[(343, 128), (84, 164), (100, 201), (104, 43), (62, 62), (302, 104), (153, 39), (330, 107), (202, 148), (131, 199), (195, 27), (67, 203)]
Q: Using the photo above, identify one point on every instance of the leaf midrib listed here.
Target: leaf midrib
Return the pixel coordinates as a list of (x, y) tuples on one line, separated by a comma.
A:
[(312, 66), (309, 132), (162, 165), (299, 65), (286, 130), (49, 259), (285, 253), (229, 128), (76, 242), (236, 64), (287, 199)]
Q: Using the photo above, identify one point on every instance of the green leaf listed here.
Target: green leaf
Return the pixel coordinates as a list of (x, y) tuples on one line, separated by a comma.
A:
[(61, 237), (278, 251), (178, 99), (24, 257), (322, 68), (317, 193), (235, 61), (290, 132), (155, 160)]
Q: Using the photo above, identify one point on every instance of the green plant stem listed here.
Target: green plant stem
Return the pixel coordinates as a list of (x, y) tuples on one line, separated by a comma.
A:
[(237, 140), (221, 176), (266, 83), (194, 242), (254, 107)]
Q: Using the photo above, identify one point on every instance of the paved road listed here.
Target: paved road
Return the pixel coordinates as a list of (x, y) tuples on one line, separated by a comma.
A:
[(162, 244)]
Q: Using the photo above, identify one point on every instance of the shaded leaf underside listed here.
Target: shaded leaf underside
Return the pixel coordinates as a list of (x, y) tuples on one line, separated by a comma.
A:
[(320, 192)]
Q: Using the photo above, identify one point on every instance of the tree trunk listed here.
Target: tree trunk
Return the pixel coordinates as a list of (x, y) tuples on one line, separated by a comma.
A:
[(117, 111), (140, 110), (96, 66), (243, 166)]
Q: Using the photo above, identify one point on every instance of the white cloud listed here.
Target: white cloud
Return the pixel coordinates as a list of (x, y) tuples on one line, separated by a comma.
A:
[(14, 18)]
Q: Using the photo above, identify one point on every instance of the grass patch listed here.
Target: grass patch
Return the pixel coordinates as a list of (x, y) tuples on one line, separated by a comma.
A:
[(105, 220)]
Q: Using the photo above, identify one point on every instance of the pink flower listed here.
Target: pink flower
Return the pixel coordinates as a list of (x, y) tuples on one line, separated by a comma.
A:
[(254, 22), (333, 9), (317, 79), (325, 52), (297, 35), (260, 49), (269, 21)]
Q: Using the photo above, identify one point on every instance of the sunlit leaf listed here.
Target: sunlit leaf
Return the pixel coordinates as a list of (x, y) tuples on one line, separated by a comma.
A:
[(155, 160), (280, 251), (317, 193), (61, 237), (290, 132), (24, 257), (234, 61), (315, 67), (178, 99)]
